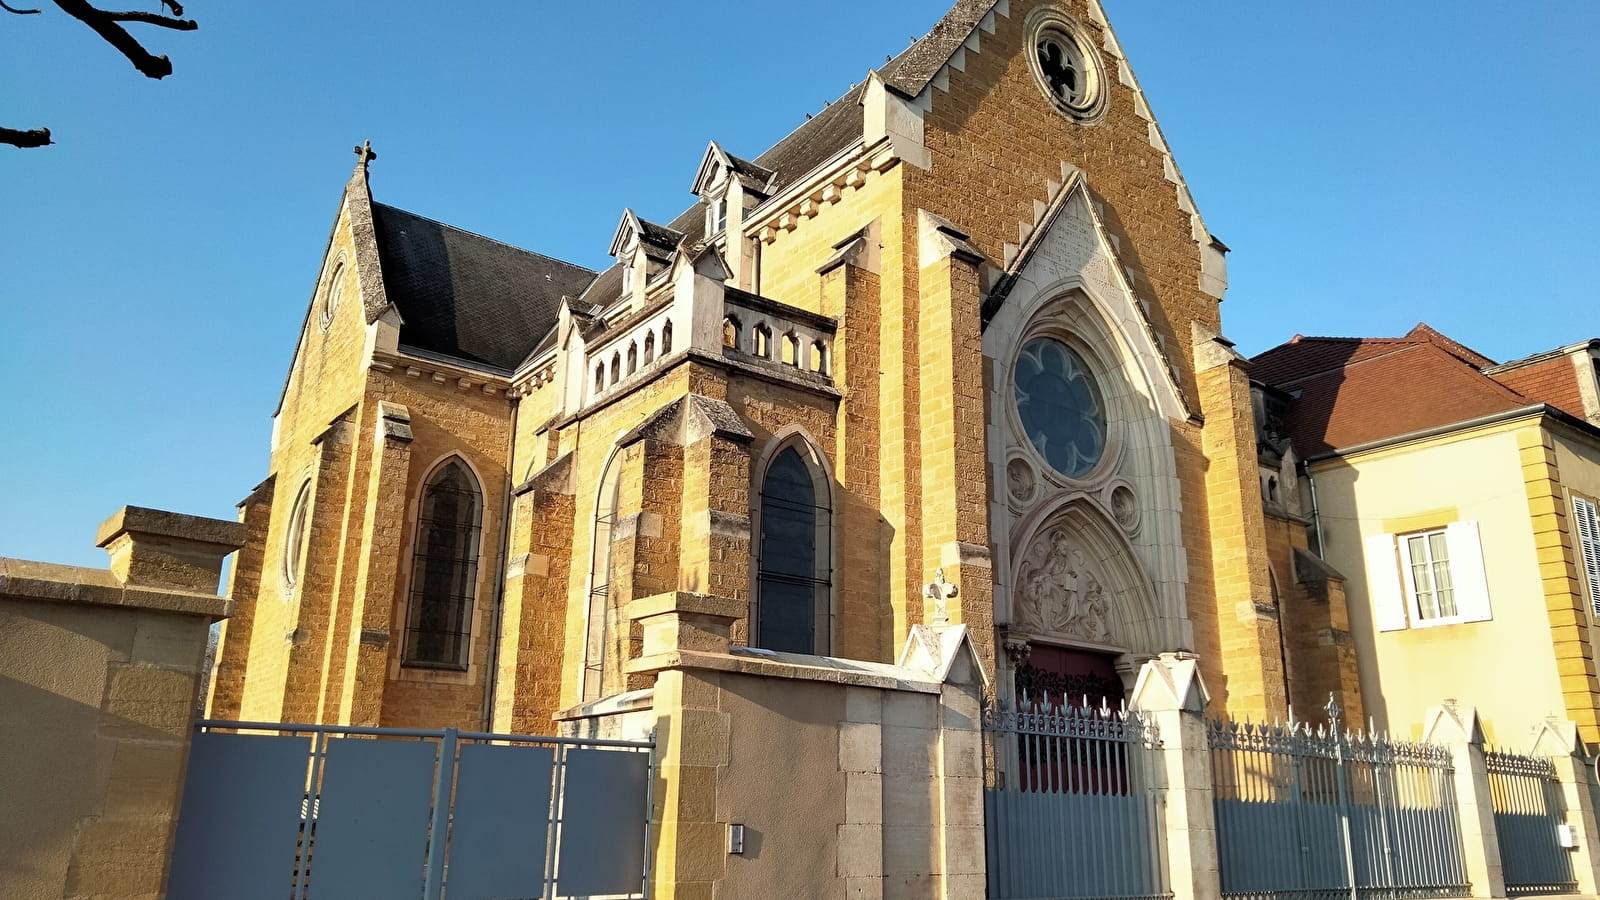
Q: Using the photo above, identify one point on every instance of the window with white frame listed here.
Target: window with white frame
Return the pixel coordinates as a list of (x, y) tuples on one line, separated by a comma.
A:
[(1584, 512), (1425, 578)]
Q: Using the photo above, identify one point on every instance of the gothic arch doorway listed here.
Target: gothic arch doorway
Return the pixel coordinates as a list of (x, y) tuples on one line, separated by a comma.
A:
[(1053, 675)]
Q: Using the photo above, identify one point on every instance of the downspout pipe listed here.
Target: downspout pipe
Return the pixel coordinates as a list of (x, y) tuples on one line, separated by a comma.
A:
[(1316, 511)]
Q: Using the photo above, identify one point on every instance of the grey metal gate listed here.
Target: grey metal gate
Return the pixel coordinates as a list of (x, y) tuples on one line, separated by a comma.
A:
[(1331, 814), (1528, 810), (322, 812), (1074, 811)]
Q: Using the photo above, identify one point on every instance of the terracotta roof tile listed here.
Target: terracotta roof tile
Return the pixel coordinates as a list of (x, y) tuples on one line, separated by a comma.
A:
[(1350, 391)]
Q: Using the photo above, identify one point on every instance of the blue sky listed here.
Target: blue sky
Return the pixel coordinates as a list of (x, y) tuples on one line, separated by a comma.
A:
[(1372, 164)]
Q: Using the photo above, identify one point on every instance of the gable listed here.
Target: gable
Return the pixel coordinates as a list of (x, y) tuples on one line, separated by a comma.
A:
[(1069, 251)]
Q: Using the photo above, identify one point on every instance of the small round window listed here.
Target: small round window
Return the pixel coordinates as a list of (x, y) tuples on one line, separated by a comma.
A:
[(1060, 406), (1065, 65), (331, 297), (294, 540)]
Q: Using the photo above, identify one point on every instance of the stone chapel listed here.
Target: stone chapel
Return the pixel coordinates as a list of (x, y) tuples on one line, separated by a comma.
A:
[(950, 352)]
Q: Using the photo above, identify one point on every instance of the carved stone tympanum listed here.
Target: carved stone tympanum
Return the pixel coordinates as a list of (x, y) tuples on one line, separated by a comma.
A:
[(1058, 593)]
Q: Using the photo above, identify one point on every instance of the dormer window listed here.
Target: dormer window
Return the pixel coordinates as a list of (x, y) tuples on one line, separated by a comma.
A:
[(627, 278), (717, 222)]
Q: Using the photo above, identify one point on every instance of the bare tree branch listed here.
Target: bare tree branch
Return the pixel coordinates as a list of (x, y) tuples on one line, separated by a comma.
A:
[(106, 25), (37, 137), (150, 18)]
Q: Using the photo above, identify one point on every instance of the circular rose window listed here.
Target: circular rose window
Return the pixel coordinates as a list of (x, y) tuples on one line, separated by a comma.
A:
[(1060, 406), (1065, 65)]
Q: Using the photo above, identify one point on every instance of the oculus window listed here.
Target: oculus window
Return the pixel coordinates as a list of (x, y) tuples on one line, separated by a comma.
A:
[(294, 540), (793, 588), (1066, 66), (444, 571), (1060, 405)]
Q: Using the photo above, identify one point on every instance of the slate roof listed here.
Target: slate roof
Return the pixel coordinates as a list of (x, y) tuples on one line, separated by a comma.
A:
[(466, 296), (911, 71), (1350, 391)]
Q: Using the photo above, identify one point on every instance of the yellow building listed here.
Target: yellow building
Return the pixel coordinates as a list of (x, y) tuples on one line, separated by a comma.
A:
[(949, 351), (1458, 497)]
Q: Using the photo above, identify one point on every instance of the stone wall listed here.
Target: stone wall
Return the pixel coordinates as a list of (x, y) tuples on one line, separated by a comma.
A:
[(100, 674)]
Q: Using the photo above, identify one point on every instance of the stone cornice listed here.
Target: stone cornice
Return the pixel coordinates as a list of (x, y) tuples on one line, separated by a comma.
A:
[(825, 185), (439, 371)]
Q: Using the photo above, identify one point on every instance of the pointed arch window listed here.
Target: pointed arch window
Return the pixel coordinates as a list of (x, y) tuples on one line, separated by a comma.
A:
[(633, 358), (649, 347), (794, 591), (666, 339), (597, 620), (761, 337), (819, 357), (791, 349), (444, 569), (730, 332)]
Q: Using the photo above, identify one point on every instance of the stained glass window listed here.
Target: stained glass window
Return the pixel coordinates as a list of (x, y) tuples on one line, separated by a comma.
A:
[(793, 581), (1060, 406), (445, 568)]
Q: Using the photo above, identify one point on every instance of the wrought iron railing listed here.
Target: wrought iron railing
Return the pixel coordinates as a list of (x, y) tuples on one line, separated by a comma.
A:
[(1328, 813), (1074, 808), (1528, 813)]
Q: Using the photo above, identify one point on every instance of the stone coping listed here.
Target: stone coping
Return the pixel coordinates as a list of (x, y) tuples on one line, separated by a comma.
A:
[(614, 705), (41, 582), (198, 529), (772, 664), (688, 603)]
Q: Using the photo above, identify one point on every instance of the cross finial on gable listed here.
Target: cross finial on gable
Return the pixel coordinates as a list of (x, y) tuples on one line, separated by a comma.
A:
[(364, 154)]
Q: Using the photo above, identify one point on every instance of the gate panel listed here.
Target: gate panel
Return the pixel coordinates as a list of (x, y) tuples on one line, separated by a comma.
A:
[(371, 836), (601, 845), (1528, 808), (240, 813), (501, 831), (1333, 814), (1074, 811), (394, 813)]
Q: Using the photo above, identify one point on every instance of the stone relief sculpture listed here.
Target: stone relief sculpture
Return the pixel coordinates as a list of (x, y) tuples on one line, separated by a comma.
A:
[(1057, 593)]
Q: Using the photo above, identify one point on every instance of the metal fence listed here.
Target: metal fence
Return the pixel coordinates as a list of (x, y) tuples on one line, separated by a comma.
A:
[(1074, 810), (1528, 812), (1331, 814), (319, 812)]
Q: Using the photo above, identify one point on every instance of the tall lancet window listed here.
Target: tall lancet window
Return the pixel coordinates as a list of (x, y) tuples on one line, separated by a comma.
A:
[(444, 571), (597, 624), (793, 609)]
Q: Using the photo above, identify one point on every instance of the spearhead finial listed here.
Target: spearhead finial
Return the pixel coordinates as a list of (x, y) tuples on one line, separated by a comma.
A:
[(364, 154)]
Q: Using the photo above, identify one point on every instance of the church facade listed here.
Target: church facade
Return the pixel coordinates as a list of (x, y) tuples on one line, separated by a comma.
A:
[(950, 352)]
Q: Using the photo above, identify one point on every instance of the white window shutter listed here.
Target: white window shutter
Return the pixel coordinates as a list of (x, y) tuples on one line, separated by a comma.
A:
[(1589, 546), (1466, 571), (1383, 584)]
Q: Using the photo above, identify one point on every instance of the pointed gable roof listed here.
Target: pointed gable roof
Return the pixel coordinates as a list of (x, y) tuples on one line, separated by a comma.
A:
[(466, 296), (1350, 391)]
